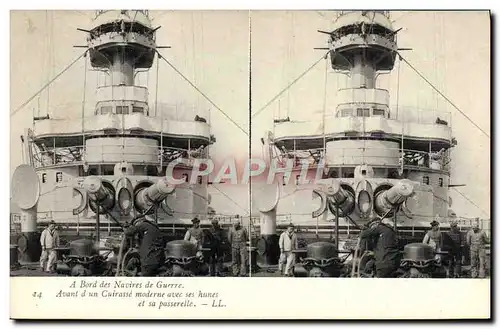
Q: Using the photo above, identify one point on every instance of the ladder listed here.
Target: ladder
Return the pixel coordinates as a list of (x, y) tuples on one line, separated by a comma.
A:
[(356, 261)]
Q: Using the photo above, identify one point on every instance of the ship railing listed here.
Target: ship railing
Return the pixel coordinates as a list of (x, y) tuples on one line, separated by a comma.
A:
[(407, 114), (386, 13), (312, 157), (179, 112), (464, 224), (49, 156), (484, 223), (72, 155), (353, 156), (15, 224), (100, 12), (420, 115), (350, 97)]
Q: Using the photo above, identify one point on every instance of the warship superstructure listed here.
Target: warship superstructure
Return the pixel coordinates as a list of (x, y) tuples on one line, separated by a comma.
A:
[(370, 155), (109, 166)]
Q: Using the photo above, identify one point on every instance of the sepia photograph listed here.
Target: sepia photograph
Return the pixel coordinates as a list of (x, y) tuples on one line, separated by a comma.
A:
[(366, 140), (275, 147), (151, 95)]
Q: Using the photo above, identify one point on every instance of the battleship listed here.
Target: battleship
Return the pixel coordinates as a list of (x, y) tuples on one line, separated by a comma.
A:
[(365, 158), (93, 174)]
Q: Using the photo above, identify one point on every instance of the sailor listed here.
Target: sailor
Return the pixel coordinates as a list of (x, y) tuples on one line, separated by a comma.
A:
[(216, 257), (288, 243), (455, 249), (477, 241), (238, 238), (433, 237), (49, 241), (195, 234), (152, 246), (387, 255), (366, 247)]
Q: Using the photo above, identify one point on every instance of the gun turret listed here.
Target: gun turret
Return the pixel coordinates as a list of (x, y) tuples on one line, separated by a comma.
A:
[(387, 200), (340, 197), (101, 193), (145, 197)]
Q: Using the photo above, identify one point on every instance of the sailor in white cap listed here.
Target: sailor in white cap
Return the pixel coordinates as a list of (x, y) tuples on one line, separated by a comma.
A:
[(433, 237), (49, 241), (195, 233), (288, 243)]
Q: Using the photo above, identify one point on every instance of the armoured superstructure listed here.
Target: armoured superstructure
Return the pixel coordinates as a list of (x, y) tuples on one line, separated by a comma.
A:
[(374, 156), (111, 165)]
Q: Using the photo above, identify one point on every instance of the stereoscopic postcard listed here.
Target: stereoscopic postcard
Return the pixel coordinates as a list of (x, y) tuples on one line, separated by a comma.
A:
[(250, 164)]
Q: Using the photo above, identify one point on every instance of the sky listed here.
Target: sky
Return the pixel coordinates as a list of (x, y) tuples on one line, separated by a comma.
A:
[(452, 49)]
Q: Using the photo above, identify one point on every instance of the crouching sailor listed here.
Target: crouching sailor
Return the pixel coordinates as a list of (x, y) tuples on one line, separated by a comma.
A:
[(387, 256), (151, 250)]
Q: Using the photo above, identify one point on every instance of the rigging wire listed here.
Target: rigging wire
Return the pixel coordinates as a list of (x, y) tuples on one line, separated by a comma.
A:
[(401, 170), (472, 202), (435, 61), (44, 59), (404, 14), (156, 86), (290, 85), (51, 56), (250, 112), (231, 199), (193, 49), (161, 111), (202, 93), (201, 74), (47, 84), (290, 55), (442, 95), (83, 102), (325, 94)]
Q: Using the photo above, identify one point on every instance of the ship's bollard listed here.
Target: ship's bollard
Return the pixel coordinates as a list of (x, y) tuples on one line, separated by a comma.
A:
[(183, 259), (322, 261)]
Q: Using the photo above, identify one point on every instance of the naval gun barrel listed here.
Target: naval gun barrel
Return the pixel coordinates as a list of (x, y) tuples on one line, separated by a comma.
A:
[(387, 200), (334, 197), (147, 196), (337, 194), (99, 192)]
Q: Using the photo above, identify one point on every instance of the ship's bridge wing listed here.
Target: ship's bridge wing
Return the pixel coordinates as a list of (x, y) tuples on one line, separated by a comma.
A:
[(98, 124), (421, 126)]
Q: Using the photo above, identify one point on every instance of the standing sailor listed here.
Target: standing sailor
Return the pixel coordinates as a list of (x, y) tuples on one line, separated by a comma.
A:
[(152, 246), (477, 241), (288, 242), (433, 237), (238, 238), (216, 257), (49, 241), (455, 249), (195, 234)]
